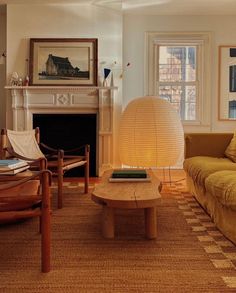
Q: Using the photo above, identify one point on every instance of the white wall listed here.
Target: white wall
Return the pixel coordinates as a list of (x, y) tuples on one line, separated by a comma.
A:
[(134, 28), (62, 21)]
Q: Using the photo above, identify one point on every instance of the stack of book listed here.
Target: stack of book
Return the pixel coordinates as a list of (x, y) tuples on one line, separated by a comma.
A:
[(12, 167), (129, 175)]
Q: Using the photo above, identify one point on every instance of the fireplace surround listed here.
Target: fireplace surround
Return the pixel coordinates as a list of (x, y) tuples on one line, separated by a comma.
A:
[(30, 100)]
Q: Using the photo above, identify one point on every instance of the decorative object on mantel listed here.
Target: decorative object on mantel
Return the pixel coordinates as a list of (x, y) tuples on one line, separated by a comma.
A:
[(107, 71), (123, 71), (3, 58), (63, 62), (26, 82), (14, 81), (20, 81), (112, 80), (112, 69)]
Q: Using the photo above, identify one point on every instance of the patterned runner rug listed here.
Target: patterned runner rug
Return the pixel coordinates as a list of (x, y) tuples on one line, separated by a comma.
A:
[(189, 254)]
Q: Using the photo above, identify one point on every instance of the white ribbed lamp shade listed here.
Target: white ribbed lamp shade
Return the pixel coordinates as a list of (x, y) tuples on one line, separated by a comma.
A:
[(151, 133)]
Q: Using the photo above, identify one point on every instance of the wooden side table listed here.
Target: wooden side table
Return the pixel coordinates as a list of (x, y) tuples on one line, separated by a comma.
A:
[(128, 195)]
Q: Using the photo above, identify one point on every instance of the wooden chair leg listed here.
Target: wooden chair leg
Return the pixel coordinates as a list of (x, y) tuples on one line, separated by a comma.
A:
[(86, 178), (60, 187), (86, 170), (45, 224), (3, 144), (40, 224), (60, 178)]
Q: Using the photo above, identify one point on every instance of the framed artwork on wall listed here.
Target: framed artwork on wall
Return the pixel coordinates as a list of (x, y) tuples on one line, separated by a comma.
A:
[(63, 62), (227, 82)]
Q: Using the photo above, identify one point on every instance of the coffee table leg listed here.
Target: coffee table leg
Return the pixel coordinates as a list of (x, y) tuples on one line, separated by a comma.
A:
[(151, 223), (108, 222)]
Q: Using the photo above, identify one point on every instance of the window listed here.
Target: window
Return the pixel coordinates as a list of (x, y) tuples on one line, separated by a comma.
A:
[(177, 67), (177, 78)]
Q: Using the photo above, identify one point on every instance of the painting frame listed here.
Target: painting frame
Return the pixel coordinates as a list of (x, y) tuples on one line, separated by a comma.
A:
[(63, 62), (227, 83)]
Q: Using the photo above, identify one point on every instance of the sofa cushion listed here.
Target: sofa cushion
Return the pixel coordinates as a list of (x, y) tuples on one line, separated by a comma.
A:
[(222, 185), (230, 151), (200, 167)]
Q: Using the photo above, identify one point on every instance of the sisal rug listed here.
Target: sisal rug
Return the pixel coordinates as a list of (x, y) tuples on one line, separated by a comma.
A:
[(189, 254)]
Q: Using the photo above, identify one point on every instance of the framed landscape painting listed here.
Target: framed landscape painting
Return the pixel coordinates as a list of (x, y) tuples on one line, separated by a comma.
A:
[(227, 82), (63, 62)]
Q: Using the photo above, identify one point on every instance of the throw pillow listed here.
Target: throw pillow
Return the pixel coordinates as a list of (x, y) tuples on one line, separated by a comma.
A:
[(230, 152)]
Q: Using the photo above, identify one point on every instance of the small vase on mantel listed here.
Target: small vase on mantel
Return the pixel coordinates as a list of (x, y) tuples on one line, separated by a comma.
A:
[(26, 81), (104, 83), (112, 80)]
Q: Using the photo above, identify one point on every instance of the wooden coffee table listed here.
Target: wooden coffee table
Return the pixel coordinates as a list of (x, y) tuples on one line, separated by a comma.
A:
[(128, 195)]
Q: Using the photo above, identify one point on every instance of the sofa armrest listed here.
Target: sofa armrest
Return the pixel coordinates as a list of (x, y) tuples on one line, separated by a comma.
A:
[(206, 144)]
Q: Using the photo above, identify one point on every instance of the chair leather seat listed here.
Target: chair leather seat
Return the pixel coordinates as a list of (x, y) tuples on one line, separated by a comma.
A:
[(27, 196), (28, 188)]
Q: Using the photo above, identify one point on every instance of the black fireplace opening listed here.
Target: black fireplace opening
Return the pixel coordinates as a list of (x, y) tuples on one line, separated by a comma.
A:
[(68, 131)]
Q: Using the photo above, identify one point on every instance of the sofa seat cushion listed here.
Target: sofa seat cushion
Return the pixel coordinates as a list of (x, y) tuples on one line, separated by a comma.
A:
[(222, 185), (200, 167)]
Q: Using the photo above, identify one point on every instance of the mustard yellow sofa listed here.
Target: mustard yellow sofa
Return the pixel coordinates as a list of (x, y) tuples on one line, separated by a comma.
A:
[(211, 178)]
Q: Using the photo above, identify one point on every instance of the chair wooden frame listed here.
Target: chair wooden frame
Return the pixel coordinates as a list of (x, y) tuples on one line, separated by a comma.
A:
[(15, 206), (57, 160)]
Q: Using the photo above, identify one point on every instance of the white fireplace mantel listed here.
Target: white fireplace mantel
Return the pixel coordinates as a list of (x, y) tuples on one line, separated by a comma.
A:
[(29, 100)]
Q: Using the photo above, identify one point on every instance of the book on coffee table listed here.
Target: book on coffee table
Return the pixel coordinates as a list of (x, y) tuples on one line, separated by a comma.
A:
[(129, 175)]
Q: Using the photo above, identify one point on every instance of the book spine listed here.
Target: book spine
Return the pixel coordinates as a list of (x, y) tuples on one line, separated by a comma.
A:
[(129, 175), (148, 179), (13, 166)]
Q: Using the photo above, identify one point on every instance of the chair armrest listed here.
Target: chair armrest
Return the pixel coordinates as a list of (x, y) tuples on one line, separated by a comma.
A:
[(85, 146), (56, 151), (206, 144), (48, 148), (59, 153)]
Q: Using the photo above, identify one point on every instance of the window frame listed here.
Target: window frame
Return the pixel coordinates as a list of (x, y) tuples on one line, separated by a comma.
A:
[(199, 39)]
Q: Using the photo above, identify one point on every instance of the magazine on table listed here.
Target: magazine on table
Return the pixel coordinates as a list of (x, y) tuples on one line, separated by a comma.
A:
[(129, 175)]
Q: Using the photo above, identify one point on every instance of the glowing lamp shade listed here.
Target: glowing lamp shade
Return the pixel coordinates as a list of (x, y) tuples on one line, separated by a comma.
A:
[(151, 133)]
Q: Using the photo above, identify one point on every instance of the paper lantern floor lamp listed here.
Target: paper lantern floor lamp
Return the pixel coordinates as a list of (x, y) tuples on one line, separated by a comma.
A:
[(151, 134)]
